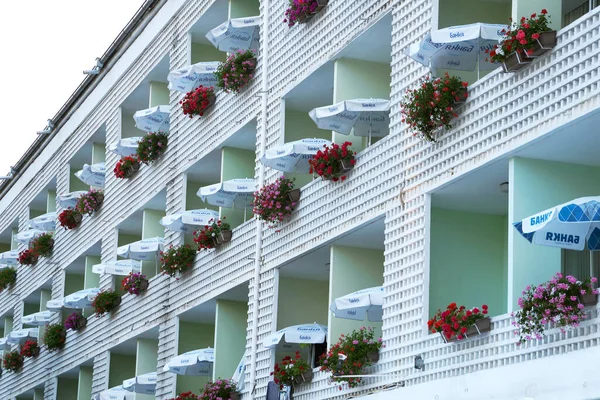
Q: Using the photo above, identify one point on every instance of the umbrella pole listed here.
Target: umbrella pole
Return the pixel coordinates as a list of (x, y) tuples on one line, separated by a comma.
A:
[(478, 65), (245, 209)]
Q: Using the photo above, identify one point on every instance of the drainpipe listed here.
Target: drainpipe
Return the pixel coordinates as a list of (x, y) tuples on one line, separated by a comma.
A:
[(264, 90)]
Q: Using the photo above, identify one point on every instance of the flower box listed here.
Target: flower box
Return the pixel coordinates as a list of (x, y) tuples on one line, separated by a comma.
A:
[(545, 43), (234, 396), (373, 357), (588, 299), (135, 167), (224, 237), (144, 283), (481, 326), (515, 62), (306, 376), (81, 323), (294, 195), (305, 16)]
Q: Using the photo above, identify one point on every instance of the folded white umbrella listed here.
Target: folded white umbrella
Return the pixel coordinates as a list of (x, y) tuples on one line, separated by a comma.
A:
[(360, 304), (144, 384), (119, 267), (9, 257), (368, 117), (196, 362), (69, 200), (239, 376), (81, 299), (55, 305), (234, 193), (38, 319), (145, 249), (236, 34), (293, 156), (20, 336), (189, 78), (305, 333), (93, 175), (190, 220), (4, 345), (153, 119), (116, 393), (25, 237), (45, 222), (125, 147)]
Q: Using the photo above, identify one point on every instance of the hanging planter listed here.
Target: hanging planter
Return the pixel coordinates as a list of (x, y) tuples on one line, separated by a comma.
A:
[(70, 219), (8, 277), (30, 349), (75, 322), (177, 260), (13, 361), (28, 257), (126, 167), (274, 203), (152, 146), (457, 323), (213, 235), (90, 202), (198, 101), (333, 162), (43, 245), (224, 236), (135, 283), (55, 337), (515, 62), (105, 302), (291, 371), (300, 11), (236, 72), (220, 389)]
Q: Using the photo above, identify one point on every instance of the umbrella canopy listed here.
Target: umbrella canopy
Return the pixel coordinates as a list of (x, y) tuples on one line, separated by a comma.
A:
[(55, 305), (4, 345), (189, 78), (38, 319), (119, 267), (360, 304), (92, 175), (293, 156), (20, 336), (27, 236), (145, 384), (306, 333), (81, 299), (568, 226), (196, 362), (459, 47), (116, 393), (153, 119), (189, 221), (235, 193), (9, 257), (45, 222), (125, 147), (69, 200), (368, 117), (239, 376), (236, 34), (146, 249)]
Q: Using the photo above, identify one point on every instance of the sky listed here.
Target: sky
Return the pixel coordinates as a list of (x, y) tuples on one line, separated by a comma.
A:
[(45, 46)]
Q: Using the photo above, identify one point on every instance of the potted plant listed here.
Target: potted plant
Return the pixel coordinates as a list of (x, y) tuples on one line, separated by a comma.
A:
[(106, 301), (90, 202), (177, 260), (70, 218), (13, 361), (458, 323), (75, 322), (237, 71), (530, 38), (213, 235), (152, 146), (431, 108), (186, 396), (43, 245), (135, 283), (30, 349), (55, 337), (126, 167), (360, 349), (221, 389), (198, 101), (300, 11), (333, 162), (274, 203), (560, 301), (292, 371), (28, 257), (8, 277)]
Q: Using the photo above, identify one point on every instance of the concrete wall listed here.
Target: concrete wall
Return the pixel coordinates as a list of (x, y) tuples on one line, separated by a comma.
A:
[(122, 366), (67, 389), (204, 52), (73, 283), (151, 227), (84, 386), (146, 361), (230, 336), (524, 8), (51, 201), (236, 164), (194, 336), (128, 128), (74, 182), (243, 8), (159, 94)]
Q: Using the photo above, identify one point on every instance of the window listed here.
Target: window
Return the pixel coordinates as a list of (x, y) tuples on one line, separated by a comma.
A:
[(577, 263), (573, 9)]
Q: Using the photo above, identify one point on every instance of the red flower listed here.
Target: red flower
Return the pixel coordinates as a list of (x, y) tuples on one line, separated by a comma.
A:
[(544, 11)]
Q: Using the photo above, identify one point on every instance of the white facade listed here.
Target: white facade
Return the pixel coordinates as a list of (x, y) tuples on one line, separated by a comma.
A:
[(395, 179)]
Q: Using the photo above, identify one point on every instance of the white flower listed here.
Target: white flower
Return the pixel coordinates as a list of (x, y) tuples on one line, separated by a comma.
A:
[(499, 51)]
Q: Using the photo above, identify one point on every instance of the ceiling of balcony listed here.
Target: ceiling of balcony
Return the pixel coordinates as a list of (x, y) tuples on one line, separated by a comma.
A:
[(213, 17), (35, 297), (205, 313), (132, 225), (140, 97), (129, 347)]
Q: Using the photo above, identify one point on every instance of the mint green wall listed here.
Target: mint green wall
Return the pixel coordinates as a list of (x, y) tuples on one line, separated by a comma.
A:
[(67, 389), (151, 227), (298, 125), (203, 52), (74, 182), (467, 260), (243, 8), (128, 128), (146, 361), (359, 79), (5, 247), (194, 336), (536, 185), (125, 238), (231, 320), (8, 325), (235, 164), (91, 280), (38, 394), (98, 153), (159, 94), (51, 201), (73, 283), (30, 308), (524, 8), (45, 295), (122, 366), (14, 245), (192, 201), (85, 383), (352, 269)]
